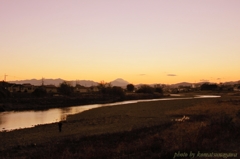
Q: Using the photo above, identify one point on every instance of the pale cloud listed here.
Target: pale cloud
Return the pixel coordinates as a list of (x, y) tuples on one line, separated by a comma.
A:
[(171, 75)]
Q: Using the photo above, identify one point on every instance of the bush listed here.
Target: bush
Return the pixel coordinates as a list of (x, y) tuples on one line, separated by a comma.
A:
[(4, 93), (208, 86), (104, 88), (65, 89), (39, 92), (118, 91), (130, 87), (158, 89), (145, 89)]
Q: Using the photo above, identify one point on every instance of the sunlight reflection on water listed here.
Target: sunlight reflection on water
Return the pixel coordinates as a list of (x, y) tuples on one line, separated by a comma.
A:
[(207, 96)]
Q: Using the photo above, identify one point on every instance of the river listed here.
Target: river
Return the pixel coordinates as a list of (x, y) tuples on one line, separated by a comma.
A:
[(11, 120)]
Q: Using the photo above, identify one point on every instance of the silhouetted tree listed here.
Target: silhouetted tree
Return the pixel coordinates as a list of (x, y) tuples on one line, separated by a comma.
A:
[(117, 91), (39, 92), (65, 89), (208, 86), (107, 89), (104, 88), (130, 87), (158, 88), (3, 84), (4, 93), (145, 89)]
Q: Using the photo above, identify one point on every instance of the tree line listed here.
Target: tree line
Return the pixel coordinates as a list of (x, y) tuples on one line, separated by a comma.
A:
[(66, 89)]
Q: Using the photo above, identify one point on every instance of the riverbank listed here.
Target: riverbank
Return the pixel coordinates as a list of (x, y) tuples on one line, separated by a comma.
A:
[(33, 103), (140, 130)]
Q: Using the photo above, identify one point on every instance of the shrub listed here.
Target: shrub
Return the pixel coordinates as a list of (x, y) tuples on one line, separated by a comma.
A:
[(130, 87), (39, 92), (118, 91), (4, 93), (65, 89), (208, 86), (158, 89), (145, 89)]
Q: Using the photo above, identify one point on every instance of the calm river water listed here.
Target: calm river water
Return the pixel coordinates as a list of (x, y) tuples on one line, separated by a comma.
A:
[(11, 120)]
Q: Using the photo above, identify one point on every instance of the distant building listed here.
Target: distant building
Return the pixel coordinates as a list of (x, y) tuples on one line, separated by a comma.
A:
[(51, 88), (28, 88), (236, 88), (80, 89), (14, 88), (94, 89), (193, 86)]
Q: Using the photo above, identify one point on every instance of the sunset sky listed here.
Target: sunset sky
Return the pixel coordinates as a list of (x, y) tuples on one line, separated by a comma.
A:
[(141, 41)]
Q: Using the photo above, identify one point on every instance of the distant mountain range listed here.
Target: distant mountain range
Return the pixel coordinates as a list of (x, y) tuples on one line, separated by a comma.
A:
[(87, 83), (56, 82), (119, 82)]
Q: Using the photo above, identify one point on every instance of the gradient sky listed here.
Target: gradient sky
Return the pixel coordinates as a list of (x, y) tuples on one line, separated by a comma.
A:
[(141, 41)]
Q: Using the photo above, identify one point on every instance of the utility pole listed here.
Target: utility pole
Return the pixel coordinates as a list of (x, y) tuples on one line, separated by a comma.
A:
[(42, 81), (5, 77)]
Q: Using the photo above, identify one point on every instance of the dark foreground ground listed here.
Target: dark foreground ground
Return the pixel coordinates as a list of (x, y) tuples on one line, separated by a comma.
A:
[(141, 130)]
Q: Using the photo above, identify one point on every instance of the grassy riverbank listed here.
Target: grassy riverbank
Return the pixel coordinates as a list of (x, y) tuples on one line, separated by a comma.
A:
[(42, 103), (140, 130)]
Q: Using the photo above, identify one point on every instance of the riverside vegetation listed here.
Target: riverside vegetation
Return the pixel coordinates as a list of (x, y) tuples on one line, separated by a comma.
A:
[(65, 96), (139, 130)]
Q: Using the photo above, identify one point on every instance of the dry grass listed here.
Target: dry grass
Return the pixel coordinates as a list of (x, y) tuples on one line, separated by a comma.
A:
[(142, 130), (211, 127), (96, 121)]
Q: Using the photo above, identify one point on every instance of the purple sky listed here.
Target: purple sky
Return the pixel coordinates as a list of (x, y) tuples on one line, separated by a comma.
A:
[(138, 40)]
